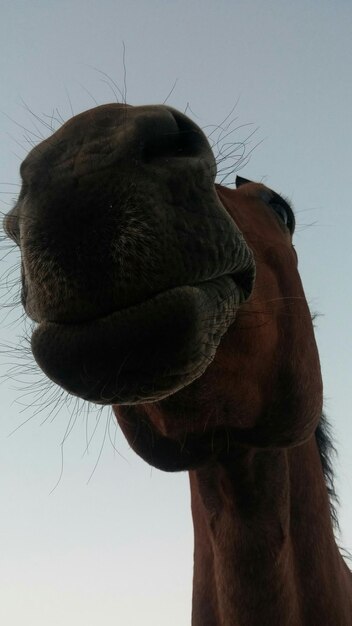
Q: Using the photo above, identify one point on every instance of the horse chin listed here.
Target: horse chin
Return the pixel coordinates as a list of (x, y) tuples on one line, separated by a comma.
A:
[(143, 353)]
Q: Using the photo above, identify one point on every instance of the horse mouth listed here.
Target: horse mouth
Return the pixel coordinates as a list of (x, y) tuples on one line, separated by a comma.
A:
[(145, 352)]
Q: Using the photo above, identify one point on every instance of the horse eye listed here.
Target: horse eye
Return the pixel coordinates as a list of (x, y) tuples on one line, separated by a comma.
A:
[(281, 212)]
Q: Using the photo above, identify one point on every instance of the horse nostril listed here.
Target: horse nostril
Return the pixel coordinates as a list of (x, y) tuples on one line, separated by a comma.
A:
[(172, 136), (161, 145), (192, 141)]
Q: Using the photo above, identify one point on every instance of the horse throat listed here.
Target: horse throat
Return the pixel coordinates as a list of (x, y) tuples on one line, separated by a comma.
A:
[(262, 534)]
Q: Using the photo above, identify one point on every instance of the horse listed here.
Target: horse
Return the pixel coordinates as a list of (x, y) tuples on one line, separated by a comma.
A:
[(178, 302)]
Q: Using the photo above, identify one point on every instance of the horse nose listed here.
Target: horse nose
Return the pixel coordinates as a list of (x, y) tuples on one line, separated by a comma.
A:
[(117, 136), (167, 133), (108, 195)]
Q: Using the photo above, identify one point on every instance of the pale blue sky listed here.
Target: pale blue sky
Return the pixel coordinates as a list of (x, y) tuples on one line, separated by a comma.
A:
[(119, 550)]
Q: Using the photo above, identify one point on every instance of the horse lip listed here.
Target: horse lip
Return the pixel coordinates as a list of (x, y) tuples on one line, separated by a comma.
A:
[(112, 359), (241, 285)]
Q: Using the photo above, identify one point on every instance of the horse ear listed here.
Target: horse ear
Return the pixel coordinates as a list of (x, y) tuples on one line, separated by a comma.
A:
[(241, 181)]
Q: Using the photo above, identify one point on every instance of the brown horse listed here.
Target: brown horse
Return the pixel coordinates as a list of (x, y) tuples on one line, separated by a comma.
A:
[(178, 302)]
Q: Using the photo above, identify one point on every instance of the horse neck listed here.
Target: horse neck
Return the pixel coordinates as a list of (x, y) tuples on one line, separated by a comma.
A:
[(264, 546)]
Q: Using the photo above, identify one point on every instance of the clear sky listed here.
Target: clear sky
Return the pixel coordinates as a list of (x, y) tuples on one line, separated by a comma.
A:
[(118, 550)]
